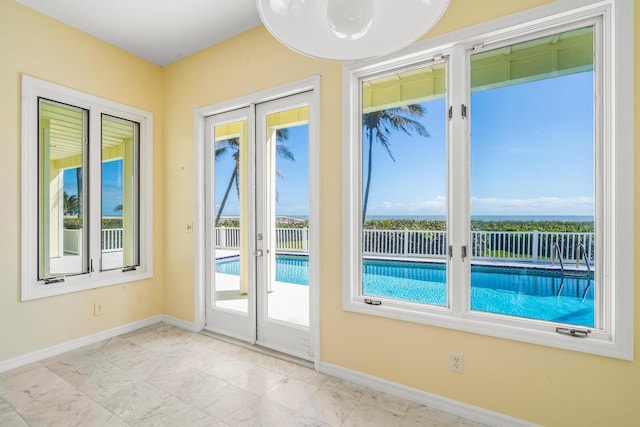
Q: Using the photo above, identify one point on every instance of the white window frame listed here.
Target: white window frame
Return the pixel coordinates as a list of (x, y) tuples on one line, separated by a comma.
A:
[(32, 288), (614, 125)]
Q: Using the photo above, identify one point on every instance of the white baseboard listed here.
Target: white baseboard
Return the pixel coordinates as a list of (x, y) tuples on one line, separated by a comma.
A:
[(183, 324), (25, 359), (431, 400)]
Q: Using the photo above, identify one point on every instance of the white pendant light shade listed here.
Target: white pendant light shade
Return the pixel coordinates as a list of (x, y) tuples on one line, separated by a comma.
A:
[(349, 29)]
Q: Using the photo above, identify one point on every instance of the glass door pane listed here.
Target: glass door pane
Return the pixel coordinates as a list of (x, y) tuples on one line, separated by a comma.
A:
[(229, 156), (532, 179), (62, 202), (288, 216), (282, 225)]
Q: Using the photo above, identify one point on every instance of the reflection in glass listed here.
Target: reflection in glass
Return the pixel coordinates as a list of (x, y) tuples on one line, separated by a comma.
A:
[(62, 202), (120, 193)]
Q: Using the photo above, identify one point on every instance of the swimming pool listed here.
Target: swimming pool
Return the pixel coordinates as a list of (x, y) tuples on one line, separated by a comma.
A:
[(523, 292)]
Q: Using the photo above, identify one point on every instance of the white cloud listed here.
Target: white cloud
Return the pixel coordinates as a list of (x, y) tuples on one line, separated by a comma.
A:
[(533, 206), (435, 206)]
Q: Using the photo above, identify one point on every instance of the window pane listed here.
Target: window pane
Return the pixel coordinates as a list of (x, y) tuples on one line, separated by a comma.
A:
[(287, 216), (62, 248), (230, 246), (532, 179), (120, 193), (404, 186)]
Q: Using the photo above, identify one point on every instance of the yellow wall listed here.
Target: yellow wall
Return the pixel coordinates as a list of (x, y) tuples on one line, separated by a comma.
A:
[(36, 45), (539, 384)]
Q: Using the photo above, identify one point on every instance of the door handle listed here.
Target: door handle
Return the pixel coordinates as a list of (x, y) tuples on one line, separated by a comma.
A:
[(258, 252)]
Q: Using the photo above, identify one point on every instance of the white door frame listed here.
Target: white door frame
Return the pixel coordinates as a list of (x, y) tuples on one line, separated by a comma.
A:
[(313, 84)]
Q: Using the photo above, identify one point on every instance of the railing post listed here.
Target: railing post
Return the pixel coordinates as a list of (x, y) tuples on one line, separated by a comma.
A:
[(406, 242), (534, 246), (305, 239), (223, 238)]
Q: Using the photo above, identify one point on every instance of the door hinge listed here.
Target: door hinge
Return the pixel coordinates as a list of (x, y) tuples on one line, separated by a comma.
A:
[(463, 252), (463, 111), (450, 251), (450, 112)]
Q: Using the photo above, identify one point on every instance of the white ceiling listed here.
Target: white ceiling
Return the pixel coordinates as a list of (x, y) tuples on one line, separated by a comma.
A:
[(160, 31)]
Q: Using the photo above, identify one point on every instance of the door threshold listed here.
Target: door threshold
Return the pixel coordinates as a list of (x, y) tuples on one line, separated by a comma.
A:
[(259, 349)]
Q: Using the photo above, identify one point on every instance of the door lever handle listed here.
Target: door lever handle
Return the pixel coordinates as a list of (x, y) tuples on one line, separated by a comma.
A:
[(258, 252)]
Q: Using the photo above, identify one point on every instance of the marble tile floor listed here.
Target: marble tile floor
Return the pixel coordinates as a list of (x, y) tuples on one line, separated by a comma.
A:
[(165, 376)]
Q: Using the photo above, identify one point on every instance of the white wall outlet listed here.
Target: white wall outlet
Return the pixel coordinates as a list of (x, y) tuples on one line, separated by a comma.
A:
[(456, 362), (98, 309)]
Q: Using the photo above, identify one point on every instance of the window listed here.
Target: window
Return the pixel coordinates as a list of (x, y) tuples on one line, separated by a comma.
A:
[(86, 180), (482, 182)]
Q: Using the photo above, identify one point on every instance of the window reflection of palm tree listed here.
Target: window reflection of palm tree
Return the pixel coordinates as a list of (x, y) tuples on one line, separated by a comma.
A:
[(379, 124), (232, 146), (70, 204)]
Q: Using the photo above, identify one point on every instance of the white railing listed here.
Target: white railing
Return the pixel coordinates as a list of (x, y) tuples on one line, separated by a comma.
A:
[(287, 239), (534, 246), (112, 239), (527, 246), (419, 243)]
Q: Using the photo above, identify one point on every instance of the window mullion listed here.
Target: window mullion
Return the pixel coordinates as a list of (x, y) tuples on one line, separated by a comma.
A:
[(95, 194), (458, 169)]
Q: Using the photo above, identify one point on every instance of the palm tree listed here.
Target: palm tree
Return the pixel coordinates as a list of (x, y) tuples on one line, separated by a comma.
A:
[(232, 145), (79, 184), (70, 203), (379, 124)]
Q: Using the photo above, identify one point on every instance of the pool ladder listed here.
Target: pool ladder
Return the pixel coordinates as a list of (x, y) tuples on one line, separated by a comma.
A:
[(581, 252), (555, 251)]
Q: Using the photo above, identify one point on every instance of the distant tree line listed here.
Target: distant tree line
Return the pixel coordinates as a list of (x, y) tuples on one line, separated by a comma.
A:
[(438, 225)]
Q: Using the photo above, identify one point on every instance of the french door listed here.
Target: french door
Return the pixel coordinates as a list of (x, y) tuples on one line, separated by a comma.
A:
[(258, 224)]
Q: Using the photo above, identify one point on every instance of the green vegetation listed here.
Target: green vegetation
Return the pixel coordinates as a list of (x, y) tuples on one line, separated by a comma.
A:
[(234, 223), (549, 226), (71, 223), (438, 225)]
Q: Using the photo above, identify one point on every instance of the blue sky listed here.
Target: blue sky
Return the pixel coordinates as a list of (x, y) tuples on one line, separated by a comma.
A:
[(111, 186), (292, 185), (527, 158)]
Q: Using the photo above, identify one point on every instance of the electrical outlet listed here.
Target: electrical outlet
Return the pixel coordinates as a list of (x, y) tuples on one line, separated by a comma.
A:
[(98, 309), (456, 362)]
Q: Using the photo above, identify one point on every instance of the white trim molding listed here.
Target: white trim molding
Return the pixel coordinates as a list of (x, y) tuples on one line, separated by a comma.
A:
[(421, 397), (251, 100), (612, 23), (92, 275), (35, 356)]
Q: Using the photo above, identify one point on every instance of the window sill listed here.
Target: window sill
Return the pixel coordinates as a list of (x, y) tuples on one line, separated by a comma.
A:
[(597, 343), (32, 290)]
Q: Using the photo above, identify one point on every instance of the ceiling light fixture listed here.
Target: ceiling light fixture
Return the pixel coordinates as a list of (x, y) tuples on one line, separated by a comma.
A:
[(349, 29)]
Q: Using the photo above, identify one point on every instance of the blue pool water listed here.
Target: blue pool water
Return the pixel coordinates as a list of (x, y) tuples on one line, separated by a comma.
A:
[(522, 292)]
